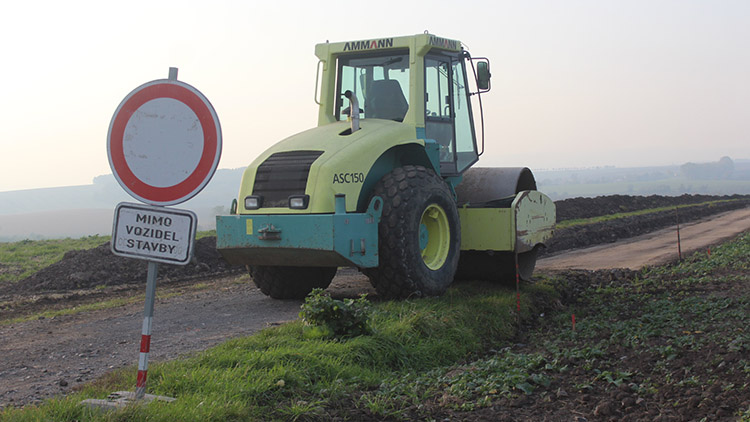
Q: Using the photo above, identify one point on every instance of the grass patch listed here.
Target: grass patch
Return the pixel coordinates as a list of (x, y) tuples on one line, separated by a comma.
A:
[(205, 233), (104, 304), (107, 304), (583, 221), (293, 373), (19, 260)]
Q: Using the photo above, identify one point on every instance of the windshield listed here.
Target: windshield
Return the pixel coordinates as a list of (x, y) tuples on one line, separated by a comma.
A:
[(381, 84)]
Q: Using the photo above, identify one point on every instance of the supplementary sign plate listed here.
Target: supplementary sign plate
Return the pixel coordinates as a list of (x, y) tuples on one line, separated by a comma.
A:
[(158, 234)]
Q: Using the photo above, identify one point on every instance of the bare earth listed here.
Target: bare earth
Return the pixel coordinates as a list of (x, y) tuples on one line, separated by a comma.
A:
[(46, 357), (654, 248)]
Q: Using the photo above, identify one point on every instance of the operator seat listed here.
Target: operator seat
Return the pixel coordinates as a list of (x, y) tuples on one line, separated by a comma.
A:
[(386, 101)]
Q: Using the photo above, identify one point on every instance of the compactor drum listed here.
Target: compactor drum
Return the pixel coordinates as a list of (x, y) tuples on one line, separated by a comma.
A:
[(384, 182)]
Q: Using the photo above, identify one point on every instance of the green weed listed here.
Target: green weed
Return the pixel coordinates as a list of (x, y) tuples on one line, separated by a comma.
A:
[(344, 318), (744, 416), (283, 374)]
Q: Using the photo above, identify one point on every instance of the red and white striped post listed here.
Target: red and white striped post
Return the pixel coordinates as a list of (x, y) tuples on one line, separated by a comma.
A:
[(679, 244), (518, 290), (148, 316)]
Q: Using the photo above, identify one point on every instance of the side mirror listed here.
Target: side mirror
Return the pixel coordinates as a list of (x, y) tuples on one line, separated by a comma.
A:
[(483, 75)]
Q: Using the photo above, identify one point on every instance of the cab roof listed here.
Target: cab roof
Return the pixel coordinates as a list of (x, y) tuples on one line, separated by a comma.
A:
[(419, 42)]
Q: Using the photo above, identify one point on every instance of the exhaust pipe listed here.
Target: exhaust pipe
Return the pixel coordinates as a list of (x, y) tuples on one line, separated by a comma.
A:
[(353, 110)]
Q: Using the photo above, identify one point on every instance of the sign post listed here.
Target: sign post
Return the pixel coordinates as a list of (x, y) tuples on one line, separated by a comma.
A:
[(157, 234), (148, 316), (163, 145)]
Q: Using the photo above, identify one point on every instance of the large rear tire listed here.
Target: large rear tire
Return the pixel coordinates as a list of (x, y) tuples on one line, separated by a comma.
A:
[(290, 282), (419, 234)]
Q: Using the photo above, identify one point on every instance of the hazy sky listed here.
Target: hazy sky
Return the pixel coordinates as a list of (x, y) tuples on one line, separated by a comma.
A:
[(575, 83)]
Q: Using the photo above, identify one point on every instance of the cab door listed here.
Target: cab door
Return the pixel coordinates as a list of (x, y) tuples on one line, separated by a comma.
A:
[(448, 117)]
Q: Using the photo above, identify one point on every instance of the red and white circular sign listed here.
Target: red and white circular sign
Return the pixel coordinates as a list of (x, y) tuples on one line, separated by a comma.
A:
[(164, 142)]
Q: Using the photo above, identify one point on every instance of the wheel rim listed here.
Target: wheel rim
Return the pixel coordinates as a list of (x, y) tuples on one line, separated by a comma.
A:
[(434, 236)]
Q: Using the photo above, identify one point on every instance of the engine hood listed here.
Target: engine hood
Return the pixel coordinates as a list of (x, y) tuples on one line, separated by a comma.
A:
[(322, 162)]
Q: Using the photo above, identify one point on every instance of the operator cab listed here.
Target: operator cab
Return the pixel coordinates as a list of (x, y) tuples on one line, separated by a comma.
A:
[(381, 83)]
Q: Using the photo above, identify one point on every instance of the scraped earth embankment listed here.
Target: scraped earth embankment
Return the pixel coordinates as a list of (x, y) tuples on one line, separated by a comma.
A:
[(597, 233), (654, 248)]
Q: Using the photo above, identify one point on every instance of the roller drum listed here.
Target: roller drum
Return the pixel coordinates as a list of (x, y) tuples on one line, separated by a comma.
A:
[(481, 185), (487, 187)]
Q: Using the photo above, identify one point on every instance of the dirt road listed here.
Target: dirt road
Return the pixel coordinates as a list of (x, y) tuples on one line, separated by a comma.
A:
[(46, 357), (655, 248)]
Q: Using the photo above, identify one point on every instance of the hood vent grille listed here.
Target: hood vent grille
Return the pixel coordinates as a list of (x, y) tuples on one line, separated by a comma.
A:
[(283, 174)]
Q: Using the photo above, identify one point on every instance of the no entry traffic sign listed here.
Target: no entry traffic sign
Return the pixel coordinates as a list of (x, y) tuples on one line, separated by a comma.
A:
[(164, 142)]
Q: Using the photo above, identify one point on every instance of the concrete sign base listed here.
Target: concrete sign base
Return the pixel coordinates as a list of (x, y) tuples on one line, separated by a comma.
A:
[(120, 399)]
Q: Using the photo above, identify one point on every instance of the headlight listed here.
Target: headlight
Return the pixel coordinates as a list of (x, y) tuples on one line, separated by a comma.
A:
[(299, 202), (253, 202)]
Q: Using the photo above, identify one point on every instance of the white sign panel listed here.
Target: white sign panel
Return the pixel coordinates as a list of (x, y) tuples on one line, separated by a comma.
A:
[(154, 233), (164, 142)]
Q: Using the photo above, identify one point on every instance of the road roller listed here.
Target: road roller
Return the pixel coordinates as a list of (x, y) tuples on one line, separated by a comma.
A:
[(386, 182)]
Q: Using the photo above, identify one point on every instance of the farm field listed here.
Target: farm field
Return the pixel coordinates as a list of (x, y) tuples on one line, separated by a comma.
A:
[(638, 351), (666, 186)]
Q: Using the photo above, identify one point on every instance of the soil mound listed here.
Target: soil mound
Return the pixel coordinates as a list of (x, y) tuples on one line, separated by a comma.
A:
[(623, 228), (575, 208), (99, 267)]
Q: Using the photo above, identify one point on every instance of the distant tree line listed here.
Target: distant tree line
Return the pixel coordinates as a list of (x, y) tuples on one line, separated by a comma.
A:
[(719, 170)]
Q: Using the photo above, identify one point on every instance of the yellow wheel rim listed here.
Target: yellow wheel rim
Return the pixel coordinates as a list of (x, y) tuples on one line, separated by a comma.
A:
[(434, 237)]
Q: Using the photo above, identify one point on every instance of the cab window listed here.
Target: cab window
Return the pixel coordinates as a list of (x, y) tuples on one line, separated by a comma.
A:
[(380, 82)]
